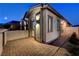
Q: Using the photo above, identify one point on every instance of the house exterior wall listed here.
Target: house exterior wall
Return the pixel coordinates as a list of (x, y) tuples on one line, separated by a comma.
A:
[(33, 19), (51, 35), (47, 37), (44, 25)]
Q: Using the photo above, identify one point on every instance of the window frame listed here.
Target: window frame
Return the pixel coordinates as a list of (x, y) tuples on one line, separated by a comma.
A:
[(58, 24), (50, 26)]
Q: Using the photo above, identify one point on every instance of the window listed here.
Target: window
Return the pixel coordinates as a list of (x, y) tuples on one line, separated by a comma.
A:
[(58, 24), (38, 16), (50, 24)]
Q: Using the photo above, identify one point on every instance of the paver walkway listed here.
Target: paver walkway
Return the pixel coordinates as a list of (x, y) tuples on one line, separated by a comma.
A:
[(61, 42), (30, 47)]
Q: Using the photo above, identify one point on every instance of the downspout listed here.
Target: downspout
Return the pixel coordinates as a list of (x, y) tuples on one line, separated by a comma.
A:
[(41, 23)]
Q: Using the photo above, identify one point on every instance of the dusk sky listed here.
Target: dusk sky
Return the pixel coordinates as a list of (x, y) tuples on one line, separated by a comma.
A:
[(9, 12)]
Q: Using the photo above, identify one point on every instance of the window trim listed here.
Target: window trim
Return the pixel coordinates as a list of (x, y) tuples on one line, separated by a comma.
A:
[(58, 24), (50, 18)]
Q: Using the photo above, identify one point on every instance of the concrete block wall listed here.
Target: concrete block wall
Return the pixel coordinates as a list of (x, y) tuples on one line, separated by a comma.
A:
[(18, 34), (11, 35)]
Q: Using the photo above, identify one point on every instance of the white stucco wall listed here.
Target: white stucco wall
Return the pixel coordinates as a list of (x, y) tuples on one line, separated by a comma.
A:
[(18, 34), (47, 37), (51, 35), (36, 26)]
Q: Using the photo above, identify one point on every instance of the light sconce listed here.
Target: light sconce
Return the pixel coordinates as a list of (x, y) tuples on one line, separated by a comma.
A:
[(38, 17), (62, 22)]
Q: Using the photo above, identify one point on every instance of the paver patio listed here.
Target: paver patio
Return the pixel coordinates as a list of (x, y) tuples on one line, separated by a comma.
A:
[(62, 41), (30, 47)]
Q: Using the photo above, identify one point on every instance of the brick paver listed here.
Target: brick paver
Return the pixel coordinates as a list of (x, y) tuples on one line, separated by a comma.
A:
[(30, 47), (61, 42)]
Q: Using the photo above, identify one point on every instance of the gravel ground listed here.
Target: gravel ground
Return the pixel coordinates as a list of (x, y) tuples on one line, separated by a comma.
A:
[(30, 47)]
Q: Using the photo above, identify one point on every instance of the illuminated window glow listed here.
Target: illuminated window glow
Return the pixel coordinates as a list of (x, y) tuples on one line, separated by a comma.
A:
[(37, 25), (38, 17)]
